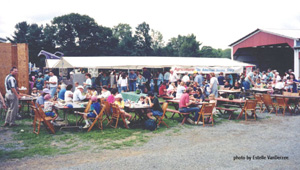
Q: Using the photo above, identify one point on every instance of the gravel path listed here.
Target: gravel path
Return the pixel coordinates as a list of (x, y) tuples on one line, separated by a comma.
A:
[(193, 148)]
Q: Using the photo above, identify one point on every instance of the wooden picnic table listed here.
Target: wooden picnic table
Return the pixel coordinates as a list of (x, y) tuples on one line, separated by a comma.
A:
[(27, 99), (226, 92), (239, 102), (295, 100), (77, 106), (137, 109), (261, 90)]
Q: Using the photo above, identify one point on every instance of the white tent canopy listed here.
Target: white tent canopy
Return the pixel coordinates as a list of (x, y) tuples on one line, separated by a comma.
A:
[(51, 63), (112, 62)]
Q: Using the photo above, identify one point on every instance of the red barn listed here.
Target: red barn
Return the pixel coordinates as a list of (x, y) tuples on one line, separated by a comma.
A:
[(279, 49)]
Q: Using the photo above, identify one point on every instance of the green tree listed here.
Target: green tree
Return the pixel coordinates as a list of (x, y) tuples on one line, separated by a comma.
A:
[(143, 40), (32, 34), (80, 35), (226, 53), (157, 42), (123, 33)]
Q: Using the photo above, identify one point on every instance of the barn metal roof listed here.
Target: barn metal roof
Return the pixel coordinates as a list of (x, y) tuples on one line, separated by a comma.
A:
[(291, 34)]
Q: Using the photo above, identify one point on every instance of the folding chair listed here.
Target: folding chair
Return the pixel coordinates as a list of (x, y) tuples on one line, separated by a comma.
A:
[(86, 110), (250, 105), (260, 102), (99, 119), (42, 118), (269, 102), (207, 111), (116, 115), (160, 118), (107, 110), (281, 103)]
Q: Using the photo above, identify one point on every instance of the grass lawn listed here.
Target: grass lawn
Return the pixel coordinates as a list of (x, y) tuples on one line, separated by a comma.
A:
[(17, 144)]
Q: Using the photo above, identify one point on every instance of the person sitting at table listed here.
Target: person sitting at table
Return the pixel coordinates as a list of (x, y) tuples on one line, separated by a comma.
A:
[(184, 104), (156, 109), (49, 110), (94, 111), (92, 91), (40, 100), (34, 92), (111, 98), (227, 85), (180, 90), (142, 100), (270, 86), (171, 91), (258, 83), (119, 101), (104, 93), (237, 87), (199, 96), (69, 93), (195, 86), (163, 89), (61, 93), (77, 96)]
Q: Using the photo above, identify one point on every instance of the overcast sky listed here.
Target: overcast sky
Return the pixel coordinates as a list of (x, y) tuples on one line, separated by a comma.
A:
[(216, 23)]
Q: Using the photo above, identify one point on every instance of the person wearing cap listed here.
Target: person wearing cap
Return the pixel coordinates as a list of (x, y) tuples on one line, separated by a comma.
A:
[(93, 113), (119, 101), (104, 93), (49, 109), (156, 109), (34, 92), (40, 100), (77, 96)]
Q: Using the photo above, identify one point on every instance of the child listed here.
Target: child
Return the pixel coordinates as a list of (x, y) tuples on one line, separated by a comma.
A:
[(48, 109), (34, 92), (212, 99), (94, 111), (119, 101), (142, 100)]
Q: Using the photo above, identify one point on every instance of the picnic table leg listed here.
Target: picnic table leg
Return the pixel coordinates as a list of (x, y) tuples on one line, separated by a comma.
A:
[(184, 119), (240, 115)]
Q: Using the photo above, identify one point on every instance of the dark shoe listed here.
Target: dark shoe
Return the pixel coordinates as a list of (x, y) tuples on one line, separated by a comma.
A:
[(5, 125), (13, 125)]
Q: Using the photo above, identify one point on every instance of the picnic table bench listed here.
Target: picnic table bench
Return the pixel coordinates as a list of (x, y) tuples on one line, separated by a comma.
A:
[(185, 115), (226, 110)]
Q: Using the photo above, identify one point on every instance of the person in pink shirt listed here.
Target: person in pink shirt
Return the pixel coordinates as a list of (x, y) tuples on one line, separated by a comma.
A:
[(184, 104), (111, 98)]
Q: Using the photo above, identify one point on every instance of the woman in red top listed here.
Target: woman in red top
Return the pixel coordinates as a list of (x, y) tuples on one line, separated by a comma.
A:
[(163, 89)]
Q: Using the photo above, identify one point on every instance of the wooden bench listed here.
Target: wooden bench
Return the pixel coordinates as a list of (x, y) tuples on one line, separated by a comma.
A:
[(185, 115), (226, 110), (230, 105)]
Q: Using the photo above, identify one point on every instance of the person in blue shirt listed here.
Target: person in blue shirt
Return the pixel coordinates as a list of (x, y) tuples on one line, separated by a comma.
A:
[(104, 81), (132, 81), (160, 79), (221, 79), (199, 79), (94, 111), (39, 82), (61, 94)]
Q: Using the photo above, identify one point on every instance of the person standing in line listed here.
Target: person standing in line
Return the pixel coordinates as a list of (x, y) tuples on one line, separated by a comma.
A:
[(214, 84), (132, 81), (88, 81), (173, 77), (52, 83), (167, 77), (147, 76), (12, 97)]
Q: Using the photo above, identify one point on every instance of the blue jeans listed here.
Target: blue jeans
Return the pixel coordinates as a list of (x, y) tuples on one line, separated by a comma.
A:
[(52, 91), (124, 88), (195, 110), (119, 89), (132, 86), (246, 85)]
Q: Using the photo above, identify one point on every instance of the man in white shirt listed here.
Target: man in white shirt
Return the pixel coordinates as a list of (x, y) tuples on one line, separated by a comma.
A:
[(186, 78), (105, 93), (77, 96), (173, 77), (52, 83)]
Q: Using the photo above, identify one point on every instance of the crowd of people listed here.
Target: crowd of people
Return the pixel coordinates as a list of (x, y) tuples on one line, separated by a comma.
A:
[(49, 88)]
